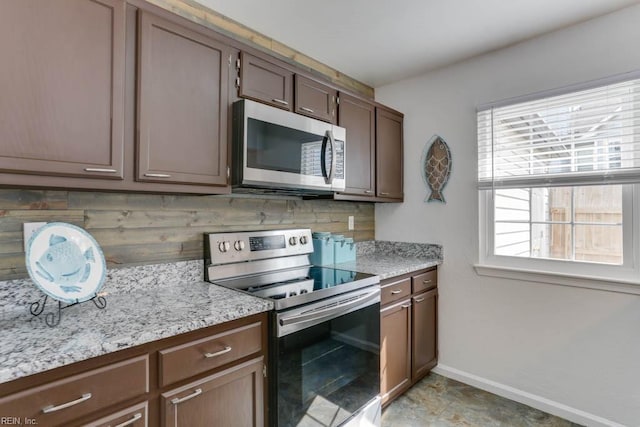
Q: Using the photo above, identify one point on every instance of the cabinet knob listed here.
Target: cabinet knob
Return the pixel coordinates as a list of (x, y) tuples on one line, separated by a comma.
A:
[(280, 101)]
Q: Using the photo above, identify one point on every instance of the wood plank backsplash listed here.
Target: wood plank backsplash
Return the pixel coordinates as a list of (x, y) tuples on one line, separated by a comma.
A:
[(135, 229)]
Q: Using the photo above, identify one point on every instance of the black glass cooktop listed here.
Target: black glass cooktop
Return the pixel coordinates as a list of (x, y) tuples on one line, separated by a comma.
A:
[(299, 286)]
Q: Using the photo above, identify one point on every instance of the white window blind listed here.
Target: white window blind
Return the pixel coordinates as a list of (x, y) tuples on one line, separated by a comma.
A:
[(586, 137)]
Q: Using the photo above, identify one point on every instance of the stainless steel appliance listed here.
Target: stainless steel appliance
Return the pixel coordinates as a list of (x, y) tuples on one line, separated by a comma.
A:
[(275, 150), (324, 341)]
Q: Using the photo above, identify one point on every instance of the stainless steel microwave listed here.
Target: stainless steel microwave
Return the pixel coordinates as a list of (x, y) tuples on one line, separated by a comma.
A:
[(277, 150)]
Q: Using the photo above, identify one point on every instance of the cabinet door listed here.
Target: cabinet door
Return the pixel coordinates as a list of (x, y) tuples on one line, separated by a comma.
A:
[(135, 416), (265, 82), (315, 100), (389, 162), (62, 86), (424, 333), (231, 398), (358, 117), (395, 349), (182, 105)]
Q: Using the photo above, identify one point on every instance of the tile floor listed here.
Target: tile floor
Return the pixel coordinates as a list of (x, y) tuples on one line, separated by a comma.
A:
[(442, 402)]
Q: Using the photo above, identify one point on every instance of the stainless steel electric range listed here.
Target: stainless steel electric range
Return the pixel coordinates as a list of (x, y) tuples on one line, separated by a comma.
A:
[(324, 341)]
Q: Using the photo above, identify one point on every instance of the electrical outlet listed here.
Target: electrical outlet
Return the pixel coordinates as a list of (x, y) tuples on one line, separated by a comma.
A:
[(351, 223), (28, 229)]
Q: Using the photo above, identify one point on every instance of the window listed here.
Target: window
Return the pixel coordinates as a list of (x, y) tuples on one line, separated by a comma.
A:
[(557, 176)]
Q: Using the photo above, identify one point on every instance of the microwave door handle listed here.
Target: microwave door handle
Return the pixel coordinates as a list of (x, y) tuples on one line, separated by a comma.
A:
[(328, 138), (323, 162)]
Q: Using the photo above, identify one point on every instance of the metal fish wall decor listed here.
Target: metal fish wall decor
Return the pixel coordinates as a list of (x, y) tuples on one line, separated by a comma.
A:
[(436, 167)]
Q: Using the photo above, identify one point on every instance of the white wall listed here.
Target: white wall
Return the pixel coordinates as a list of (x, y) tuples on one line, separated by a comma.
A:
[(571, 351)]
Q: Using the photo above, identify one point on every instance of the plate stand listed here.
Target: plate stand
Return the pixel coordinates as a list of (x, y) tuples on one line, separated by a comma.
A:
[(52, 318)]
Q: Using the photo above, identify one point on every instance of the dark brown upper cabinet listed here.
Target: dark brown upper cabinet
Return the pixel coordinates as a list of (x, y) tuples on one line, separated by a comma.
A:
[(315, 100), (62, 85), (389, 154), (182, 104), (265, 82), (359, 118)]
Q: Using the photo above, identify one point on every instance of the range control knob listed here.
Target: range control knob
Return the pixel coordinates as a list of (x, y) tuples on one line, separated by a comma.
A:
[(238, 245), (303, 240), (224, 246), (293, 240)]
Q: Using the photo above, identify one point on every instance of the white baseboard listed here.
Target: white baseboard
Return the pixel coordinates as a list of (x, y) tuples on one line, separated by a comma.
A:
[(535, 401)]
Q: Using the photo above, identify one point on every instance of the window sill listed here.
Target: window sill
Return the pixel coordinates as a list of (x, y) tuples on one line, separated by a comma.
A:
[(588, 282)]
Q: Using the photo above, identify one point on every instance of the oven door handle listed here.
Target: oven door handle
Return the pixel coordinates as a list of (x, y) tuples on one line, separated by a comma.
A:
[(333, 310)]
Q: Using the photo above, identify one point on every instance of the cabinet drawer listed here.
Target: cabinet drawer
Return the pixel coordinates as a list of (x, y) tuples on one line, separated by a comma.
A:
[(61, 401), (395, 291), (233, 397), (187, 360), (425, 281), (135, 416)]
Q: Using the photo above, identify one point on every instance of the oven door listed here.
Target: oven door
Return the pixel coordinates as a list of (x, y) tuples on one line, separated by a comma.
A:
[(276, 148), (327, 361)]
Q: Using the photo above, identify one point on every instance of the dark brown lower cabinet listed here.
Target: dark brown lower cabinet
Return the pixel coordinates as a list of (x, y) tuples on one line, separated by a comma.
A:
[(135, 416), (424, 315), (408, 331), (221, 383), (231, 398), (395, 354)]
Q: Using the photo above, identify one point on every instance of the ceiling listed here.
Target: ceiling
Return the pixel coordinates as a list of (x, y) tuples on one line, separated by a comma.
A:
[(382, 41)]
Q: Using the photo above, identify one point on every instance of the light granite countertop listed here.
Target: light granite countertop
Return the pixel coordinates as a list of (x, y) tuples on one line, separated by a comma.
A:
[(388, 259), (148, 303), (139, 316)]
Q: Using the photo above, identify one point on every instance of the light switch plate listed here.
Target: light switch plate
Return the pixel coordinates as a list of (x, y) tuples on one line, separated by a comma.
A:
[(28, 229), (351, 223)]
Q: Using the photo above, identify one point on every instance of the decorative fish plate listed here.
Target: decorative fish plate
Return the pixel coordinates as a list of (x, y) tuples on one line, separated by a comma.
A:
[(436, 167), (65, 262)]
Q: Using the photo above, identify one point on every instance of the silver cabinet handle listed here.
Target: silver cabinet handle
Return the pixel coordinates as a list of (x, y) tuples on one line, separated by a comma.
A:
[(130, 421), (157, 175), (308, 110), (227, 349), (184, 399), (101, 170), (426, 282), (405, 305), (368, 191), (382, 193), (49, 409), (419, 299), (280, 101), (395, 292)]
